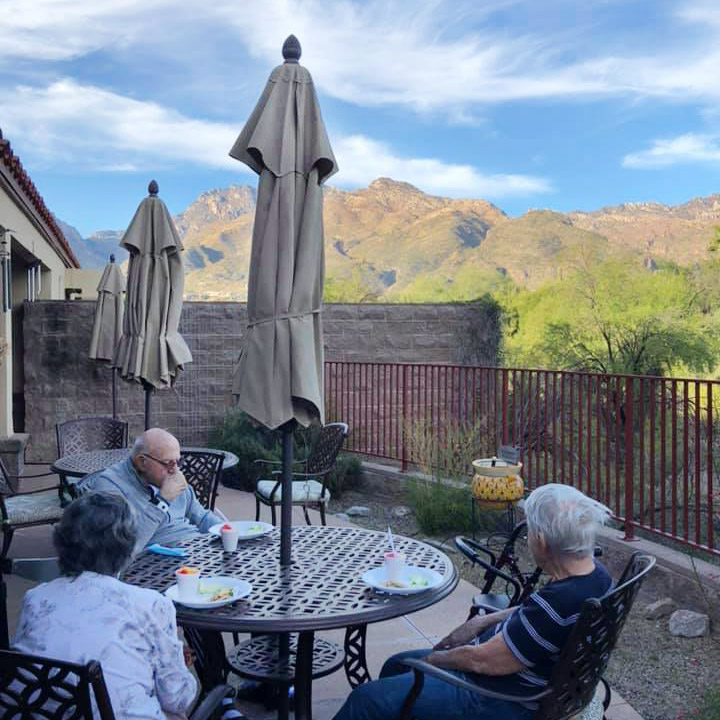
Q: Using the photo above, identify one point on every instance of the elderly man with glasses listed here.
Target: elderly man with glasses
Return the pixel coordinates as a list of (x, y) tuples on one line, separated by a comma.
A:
[(165, 506)]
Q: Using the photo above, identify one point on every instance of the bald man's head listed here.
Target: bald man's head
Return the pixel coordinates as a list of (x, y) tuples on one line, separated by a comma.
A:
[(154, 442)]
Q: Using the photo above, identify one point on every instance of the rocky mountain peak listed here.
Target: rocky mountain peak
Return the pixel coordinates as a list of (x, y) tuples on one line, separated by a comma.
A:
[(219, 205)]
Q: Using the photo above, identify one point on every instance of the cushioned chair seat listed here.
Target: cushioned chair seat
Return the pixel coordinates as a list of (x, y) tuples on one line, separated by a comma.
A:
[(302, 491), (36, 507)]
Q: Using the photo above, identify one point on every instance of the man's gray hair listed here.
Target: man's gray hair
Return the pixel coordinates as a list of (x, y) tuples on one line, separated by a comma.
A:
[(567, 519), (138, 447)]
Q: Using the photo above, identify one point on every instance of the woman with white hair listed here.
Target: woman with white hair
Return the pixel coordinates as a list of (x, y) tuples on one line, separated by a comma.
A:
[(512, 651)]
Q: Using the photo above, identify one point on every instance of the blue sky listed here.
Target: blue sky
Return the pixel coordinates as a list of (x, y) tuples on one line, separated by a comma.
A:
[(562, 104)]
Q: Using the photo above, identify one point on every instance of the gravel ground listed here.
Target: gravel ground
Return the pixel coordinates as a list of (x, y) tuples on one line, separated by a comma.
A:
[(661, 676)]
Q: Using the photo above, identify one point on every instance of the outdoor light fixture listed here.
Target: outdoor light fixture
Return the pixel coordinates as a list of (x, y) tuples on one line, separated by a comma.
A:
[(5, 268)]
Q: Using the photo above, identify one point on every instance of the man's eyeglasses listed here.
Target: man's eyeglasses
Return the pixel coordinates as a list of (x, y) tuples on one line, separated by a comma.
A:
[(169, 465)]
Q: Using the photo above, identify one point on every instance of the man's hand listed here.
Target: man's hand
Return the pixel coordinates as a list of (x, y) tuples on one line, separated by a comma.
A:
[(471, 629), (173, 486)]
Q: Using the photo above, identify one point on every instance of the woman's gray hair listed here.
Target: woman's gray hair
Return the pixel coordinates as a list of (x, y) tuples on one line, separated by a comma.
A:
[(97, 533), (567, 519)]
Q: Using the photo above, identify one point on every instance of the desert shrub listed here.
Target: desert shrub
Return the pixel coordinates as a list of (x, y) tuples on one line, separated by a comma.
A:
[(440, 508), (239, 434)]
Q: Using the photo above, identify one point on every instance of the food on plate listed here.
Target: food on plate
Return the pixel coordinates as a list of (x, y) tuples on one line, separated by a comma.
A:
[(227, 526), (223, 594), (417, 581), (254, 528), (186, 570), (209, 589), (393, 584)]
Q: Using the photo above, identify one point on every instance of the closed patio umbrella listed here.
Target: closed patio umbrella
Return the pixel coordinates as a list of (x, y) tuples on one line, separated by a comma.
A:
[(279, 380), (151, 351), (107, 327)]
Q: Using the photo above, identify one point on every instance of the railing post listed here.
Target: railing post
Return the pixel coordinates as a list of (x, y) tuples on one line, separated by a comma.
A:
[(505, 435), (629, 460), (405, 420)]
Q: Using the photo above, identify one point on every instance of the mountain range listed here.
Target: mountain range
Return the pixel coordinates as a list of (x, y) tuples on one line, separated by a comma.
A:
[(390, 236)]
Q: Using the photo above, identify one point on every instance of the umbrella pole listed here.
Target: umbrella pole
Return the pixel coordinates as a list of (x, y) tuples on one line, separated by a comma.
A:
[(114, 392), (286, 507), (148, 394)]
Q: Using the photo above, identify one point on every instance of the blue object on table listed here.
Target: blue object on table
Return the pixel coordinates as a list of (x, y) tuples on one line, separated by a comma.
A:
[(162, 550)]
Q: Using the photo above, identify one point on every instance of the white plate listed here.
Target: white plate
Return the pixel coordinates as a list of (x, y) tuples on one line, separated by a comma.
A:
[(247, 528), (240, 588), (377, 577)]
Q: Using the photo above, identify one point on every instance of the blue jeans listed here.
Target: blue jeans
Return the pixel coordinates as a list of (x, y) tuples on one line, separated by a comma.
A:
[(382, 699)]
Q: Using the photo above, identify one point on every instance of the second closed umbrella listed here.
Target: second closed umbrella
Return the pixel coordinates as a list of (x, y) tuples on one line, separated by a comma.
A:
[(151, 350)]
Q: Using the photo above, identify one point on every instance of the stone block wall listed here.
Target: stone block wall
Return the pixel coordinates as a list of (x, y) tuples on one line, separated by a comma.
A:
[(62, 383)]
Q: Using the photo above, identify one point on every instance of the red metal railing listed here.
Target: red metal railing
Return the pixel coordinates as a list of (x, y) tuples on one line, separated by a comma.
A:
[(645, 446)]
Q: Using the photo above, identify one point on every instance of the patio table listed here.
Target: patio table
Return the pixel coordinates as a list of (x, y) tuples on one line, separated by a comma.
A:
[(78, 465), (321, 590)]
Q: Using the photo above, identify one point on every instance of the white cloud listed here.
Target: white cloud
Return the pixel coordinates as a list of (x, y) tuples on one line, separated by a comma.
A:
[(65, 29), (687, 148), (98, 130), (443, 55), (362, 159), (440, 56)]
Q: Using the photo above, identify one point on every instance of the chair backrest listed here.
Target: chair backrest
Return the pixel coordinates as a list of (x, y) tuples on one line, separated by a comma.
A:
[(326, 447), (6, 485), (94, 433), (32, 686), (586, 653), (202, 470), (38, 569)]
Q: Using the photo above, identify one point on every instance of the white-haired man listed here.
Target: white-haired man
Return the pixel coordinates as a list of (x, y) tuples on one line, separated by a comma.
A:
[(512, 651), (165, 506)]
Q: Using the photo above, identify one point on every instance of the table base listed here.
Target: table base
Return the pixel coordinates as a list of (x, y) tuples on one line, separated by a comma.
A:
[(257, 659)]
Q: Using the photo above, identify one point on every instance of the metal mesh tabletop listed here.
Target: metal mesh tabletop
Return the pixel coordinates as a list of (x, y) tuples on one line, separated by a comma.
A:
[(323, 588), (86, 463)]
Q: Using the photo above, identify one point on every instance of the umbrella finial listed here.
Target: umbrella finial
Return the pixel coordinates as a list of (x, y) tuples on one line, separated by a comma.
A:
[(112, 257), (153, 188), (291, 49)]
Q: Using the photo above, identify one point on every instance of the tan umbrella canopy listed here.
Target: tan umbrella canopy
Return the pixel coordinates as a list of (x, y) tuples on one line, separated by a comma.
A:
[(107, 327), (280, 374), (151, 350)]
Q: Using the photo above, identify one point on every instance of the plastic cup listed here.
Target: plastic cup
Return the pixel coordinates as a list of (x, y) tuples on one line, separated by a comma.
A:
[(188, 581), (394, 566), (229, 535)]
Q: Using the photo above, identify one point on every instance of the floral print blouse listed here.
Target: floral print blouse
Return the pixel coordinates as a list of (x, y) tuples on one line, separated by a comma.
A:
[(130, 630)]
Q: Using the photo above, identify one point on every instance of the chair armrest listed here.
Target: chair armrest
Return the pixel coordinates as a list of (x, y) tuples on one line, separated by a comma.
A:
[(275, 462), (30, 477), (423, 667), (209, 704)]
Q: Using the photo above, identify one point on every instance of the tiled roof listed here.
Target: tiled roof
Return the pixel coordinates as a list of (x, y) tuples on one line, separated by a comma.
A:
[(22, 180)]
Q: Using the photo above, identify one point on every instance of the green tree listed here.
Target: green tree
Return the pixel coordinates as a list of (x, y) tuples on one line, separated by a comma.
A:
[(618, 318)]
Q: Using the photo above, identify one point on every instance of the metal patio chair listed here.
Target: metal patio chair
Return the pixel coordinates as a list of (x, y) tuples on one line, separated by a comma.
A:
[(33, 686), (92, 433), (27, 509), (309, 486), (202, 470), (582, 661)]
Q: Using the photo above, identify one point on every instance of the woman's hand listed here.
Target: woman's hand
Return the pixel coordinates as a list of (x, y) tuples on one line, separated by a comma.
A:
[(188, 655)]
